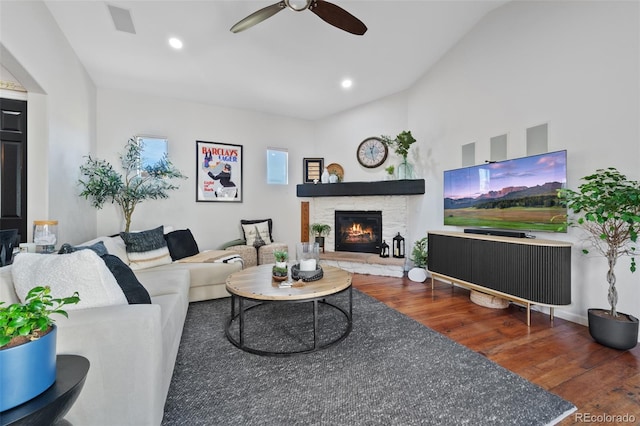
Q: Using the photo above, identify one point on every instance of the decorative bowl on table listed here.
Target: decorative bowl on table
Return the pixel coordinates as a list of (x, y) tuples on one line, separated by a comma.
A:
[(306, 276)]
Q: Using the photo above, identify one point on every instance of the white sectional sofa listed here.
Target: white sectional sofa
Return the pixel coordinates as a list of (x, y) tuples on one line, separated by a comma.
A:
[(132, 348)]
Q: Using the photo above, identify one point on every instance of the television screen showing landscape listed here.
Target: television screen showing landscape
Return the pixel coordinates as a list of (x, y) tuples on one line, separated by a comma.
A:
[(520, 194)]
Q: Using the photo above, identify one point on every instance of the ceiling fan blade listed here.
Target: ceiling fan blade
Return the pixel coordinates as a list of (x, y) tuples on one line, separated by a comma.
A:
[(257, 17), (338, 17)]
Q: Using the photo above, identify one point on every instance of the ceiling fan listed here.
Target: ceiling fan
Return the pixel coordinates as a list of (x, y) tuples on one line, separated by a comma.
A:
[(326, 11)]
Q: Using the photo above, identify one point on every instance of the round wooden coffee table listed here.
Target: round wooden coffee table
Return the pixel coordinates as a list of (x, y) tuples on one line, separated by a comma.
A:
[(255, 284)]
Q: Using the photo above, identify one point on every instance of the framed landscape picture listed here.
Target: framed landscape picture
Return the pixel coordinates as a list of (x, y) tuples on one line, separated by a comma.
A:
[(219, 172)]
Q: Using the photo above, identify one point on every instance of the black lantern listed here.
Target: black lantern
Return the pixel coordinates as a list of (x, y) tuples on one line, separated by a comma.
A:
[(398, 246), (384, 249)]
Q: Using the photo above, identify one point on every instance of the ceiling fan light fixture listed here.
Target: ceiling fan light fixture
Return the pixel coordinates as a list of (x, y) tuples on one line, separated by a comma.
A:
[(297, 5)]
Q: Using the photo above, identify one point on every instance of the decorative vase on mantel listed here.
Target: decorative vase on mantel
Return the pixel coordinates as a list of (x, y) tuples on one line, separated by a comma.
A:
[(405, 170), (325, 176)]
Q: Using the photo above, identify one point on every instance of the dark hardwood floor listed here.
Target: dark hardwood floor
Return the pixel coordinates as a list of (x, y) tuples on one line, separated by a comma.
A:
[(560, 357)]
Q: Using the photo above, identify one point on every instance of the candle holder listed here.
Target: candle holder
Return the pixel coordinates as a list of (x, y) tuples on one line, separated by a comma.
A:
[(308, 266)]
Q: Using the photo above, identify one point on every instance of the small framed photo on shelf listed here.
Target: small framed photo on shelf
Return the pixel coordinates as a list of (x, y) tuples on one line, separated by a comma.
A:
[(312, 169)]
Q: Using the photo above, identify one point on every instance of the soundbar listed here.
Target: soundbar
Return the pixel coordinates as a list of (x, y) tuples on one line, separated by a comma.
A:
[(496, 232)]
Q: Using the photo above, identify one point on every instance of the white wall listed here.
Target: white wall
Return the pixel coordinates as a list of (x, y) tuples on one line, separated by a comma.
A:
[(573, 65), (61, 115), (122, 115)]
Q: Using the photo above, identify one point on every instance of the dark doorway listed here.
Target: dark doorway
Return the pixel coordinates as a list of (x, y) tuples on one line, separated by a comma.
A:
[(13, 166)]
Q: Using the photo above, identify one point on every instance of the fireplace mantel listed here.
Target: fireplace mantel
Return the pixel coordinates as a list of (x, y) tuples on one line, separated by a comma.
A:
[(350, 189)]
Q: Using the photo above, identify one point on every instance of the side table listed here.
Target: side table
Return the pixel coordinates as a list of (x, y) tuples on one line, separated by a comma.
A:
[(53, 404)]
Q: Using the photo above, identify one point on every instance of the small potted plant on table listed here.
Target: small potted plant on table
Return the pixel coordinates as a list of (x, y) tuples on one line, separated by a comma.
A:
[(608, 209), (280, 271), (320, 230), (28, 346)]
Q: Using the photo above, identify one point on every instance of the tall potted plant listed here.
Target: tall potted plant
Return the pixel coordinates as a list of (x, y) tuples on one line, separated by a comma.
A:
[(102, 183), (401, 145), (608, 208), (320, 230), (28, 346)]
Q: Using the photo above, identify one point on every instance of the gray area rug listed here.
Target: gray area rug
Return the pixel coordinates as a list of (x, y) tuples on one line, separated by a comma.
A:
[(390, 370)]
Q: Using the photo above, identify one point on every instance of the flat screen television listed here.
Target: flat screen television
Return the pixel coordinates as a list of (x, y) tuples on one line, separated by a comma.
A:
[(519, 194)]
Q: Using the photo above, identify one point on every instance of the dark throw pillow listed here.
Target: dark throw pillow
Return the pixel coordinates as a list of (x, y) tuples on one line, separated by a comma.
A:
[(134, 291), (99, 248), (181, 244), (146, 249)]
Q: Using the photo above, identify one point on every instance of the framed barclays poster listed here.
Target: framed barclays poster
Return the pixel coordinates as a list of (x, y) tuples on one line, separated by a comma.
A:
[(219, 172)]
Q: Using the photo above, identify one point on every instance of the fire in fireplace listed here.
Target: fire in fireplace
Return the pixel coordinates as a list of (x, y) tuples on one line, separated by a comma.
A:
[(358, 231)]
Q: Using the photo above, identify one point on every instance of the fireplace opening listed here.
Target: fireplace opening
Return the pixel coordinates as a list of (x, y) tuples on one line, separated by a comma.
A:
[(358, 231)]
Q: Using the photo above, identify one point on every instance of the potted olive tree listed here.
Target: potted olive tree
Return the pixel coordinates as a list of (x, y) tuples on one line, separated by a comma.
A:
[(419, 257), (320, 230), (28, 346), (101, 182), (607, 206)]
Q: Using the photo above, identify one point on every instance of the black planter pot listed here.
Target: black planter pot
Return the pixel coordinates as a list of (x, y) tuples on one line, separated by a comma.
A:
[(611, 332), (320, 241)]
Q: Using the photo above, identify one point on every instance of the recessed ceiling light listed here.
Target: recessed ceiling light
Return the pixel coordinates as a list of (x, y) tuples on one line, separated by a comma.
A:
[(346, 83), (176, 43)]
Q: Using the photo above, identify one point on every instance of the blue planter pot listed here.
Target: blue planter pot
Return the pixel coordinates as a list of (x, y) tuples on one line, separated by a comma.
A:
[(27, 370)]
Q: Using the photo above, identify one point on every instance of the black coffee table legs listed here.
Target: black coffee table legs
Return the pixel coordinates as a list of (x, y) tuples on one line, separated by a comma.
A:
[(239, 316)]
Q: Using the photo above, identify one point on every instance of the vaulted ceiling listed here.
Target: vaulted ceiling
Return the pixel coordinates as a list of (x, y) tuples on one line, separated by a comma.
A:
[(290, 64)]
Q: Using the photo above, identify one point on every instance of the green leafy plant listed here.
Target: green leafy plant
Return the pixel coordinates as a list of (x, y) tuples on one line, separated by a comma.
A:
[(281, 255), (101, 182), (28, 321), (320, 229), (401, 143), (278, 271), (607, 206), (419, 253), (390, 169)]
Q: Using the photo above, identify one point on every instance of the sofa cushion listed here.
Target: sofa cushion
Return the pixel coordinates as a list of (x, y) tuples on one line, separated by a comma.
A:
[(181, 244), (146, 249), (257, 230), (131, 287), (82, 271), (115, 246)]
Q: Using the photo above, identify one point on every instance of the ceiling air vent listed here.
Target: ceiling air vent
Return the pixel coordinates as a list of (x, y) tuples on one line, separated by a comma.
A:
[(121, 19)]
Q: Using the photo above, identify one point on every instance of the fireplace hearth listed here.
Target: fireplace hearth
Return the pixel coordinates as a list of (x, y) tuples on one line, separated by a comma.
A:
[(358, 231)]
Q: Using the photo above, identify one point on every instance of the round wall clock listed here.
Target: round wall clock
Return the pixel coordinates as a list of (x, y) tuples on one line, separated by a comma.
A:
[(372, 152)]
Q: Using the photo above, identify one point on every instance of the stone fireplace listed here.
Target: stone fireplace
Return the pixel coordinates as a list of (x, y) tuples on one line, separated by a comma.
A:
[(393, 211), (358, 230), (390, 198)]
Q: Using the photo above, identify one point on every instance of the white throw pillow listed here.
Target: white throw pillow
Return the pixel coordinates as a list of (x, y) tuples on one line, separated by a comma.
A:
[(251, 232), (115, 246), (82, 271)]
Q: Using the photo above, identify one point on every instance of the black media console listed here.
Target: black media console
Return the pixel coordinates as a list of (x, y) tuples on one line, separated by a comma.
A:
[(522, 270)]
